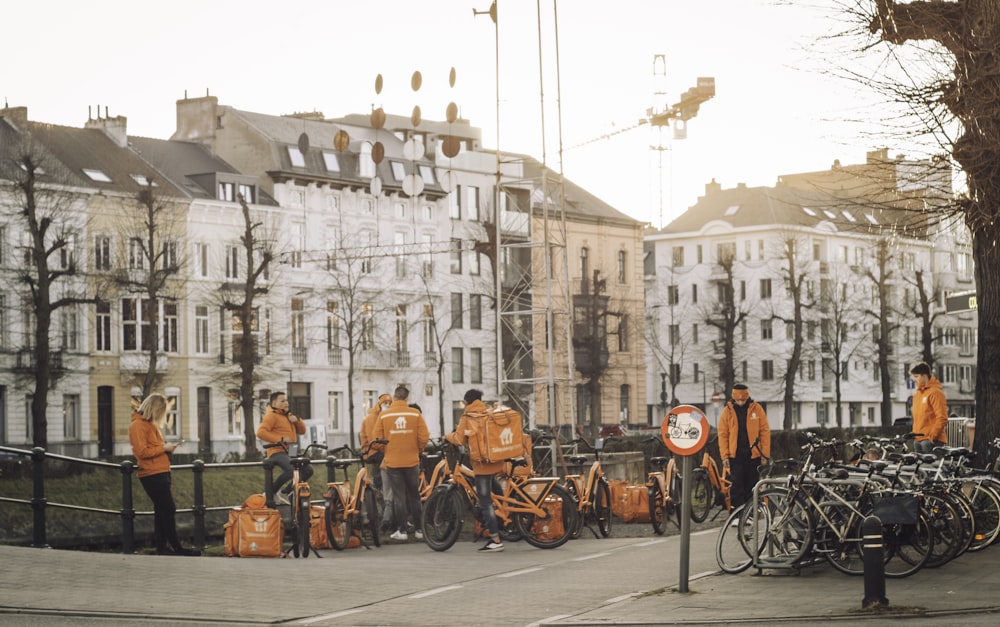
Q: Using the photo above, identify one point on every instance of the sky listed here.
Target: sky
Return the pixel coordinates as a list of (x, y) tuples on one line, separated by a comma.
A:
[(776, 110)]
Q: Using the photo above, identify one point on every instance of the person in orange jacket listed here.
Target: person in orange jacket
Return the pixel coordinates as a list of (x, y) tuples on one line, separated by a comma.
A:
[(930, 410), (376, 459), (280, 425), (407, 434), (485, 472), (744, 443), (152, 455)]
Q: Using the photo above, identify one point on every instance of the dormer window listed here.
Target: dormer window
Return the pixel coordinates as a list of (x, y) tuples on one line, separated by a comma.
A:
[(227, 191), (296, 157), (330, 161), (427, 173), (143, 180), (97, 175), (248, 192), (398, 170), (366, 167)]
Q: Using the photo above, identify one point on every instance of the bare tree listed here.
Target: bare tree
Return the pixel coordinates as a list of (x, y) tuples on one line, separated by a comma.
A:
[(151, 262), (794, 273), (48, 273), (241, 300), (667, 340), (840, 340), (922, 309), (883, 312), (727, 317), (948, 66)]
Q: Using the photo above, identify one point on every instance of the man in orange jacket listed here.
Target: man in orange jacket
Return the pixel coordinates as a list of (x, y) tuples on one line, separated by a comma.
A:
[(405, 429), (930, 410), (280, 425), (744, 443)]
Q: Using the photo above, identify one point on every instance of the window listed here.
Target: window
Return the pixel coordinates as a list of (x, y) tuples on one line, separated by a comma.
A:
[(470, 201), (71, 416), (136, 254), (232, 262), (102, 324), (675, 334), (456, 311), (585, 264), (673, 295), (725, 252), (102, 253), (298, 325), (694, 293), (247, 192), (227, 191), (624, 400), (760, 249), (201, 330), (621, 266), (457, 367), (402, 345), (296, 157), (69, 325), (330, 161), (334, 405), (298, 245), (454, 209), (398, 170), (699, 253), (474, 263), (168, 328), (201, 260), (767, 370), (456, 256), (136, 325), (3, 247), (822, 410), (747, 255), (173, 424), (623, 333), (765, 288), (475, 312), (677, 254), (235, 412), (694, 333), (766, 330), (366, 167), (475, 365), (428, 329), (168, 257), (96, 175), (367, 326)]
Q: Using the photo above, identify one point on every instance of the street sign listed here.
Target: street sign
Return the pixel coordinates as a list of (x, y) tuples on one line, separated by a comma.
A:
[(685, 430), (961, 301)]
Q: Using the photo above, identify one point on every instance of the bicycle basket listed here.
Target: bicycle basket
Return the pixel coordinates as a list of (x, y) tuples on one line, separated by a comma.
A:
[(897, 509)]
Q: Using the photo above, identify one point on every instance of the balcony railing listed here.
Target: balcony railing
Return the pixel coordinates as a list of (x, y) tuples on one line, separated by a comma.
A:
[(335, 356), (300, 354)]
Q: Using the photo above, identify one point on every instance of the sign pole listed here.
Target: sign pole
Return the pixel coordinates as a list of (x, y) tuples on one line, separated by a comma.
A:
[(685, 432), (685, 566)]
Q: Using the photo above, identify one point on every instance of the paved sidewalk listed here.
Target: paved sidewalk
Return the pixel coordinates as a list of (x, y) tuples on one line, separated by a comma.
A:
[(405, 584)]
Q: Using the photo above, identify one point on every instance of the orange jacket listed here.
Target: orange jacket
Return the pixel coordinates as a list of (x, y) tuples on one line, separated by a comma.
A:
[(368, 427), (756, 427), (930, 412), (460, 436), (147, 446), (275, 426), (406, 431)]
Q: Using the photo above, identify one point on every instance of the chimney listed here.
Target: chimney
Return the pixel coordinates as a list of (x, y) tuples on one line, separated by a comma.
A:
[(878, 156), (196, 119), (115, 127), (16, 116), (712, 188)]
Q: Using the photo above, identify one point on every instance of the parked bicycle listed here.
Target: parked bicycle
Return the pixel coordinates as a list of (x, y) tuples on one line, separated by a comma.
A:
[(709, 488), (301, 501), (350, 508), (662, 488), (592, 494), (538, 508)]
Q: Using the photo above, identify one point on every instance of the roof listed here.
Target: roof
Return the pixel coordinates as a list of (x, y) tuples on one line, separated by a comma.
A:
[(580, 204)]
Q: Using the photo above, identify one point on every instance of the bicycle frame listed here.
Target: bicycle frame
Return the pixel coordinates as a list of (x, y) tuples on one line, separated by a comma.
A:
[(720, 480)]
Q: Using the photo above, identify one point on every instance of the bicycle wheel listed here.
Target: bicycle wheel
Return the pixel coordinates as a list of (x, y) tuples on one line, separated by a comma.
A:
[(702, 495), (338, 528), (732, 551), (944, 518), (370, 517), (302, 524), (442, 519), (602, 507), (907, 547), (840, 539), (789, 533), (553, 530), (986, 509), (657, 510), (577, 527)]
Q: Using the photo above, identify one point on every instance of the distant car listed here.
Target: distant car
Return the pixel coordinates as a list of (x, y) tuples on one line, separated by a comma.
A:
[(905, 421)]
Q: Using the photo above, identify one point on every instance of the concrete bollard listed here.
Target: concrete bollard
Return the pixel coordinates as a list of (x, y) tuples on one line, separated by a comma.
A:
[(873, 554)]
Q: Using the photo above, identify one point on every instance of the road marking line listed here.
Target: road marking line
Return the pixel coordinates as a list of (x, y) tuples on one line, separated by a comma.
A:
[(548, 620), (520, 572), (707, 573), (651, 542), (589, 557), (621, 598), (316, 619), (428, 593)]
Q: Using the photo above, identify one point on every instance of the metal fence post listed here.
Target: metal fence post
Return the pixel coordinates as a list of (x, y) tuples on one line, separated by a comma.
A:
[(269, 483), (198, 509), (128, 509), (38, 502), (331, 472), (872, 552)]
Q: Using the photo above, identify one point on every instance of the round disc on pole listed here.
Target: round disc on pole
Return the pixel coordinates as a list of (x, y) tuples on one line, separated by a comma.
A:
[(451, 146), (378, 84), (451, 77), (341, 141), (416, 80), (413, 185), (303, 143), (376, 186), (413, 149), (378, 152), (378, 118), (451, 113), (685, 430), (448, 181), (415, 116)]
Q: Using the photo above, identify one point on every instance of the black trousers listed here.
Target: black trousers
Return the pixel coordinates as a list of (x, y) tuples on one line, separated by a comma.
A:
[(157, 487), (744, 474)]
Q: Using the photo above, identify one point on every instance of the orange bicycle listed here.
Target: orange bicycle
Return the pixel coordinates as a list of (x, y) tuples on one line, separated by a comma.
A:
[(298, 507), (350, 508), (592, 495), (709, 487), (663, 489)]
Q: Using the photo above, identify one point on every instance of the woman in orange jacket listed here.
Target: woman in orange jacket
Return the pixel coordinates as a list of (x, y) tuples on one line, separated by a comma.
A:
[(152, 455)]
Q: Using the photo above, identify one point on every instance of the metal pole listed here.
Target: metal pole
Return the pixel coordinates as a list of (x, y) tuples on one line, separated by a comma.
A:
[(872, 553), (686, 471), (198, 467), (128, 509), (38, 502)]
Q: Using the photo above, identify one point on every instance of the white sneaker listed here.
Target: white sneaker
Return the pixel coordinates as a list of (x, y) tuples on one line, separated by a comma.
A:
[(398, 535), (419, 535), (280, 499), (492, 546)]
